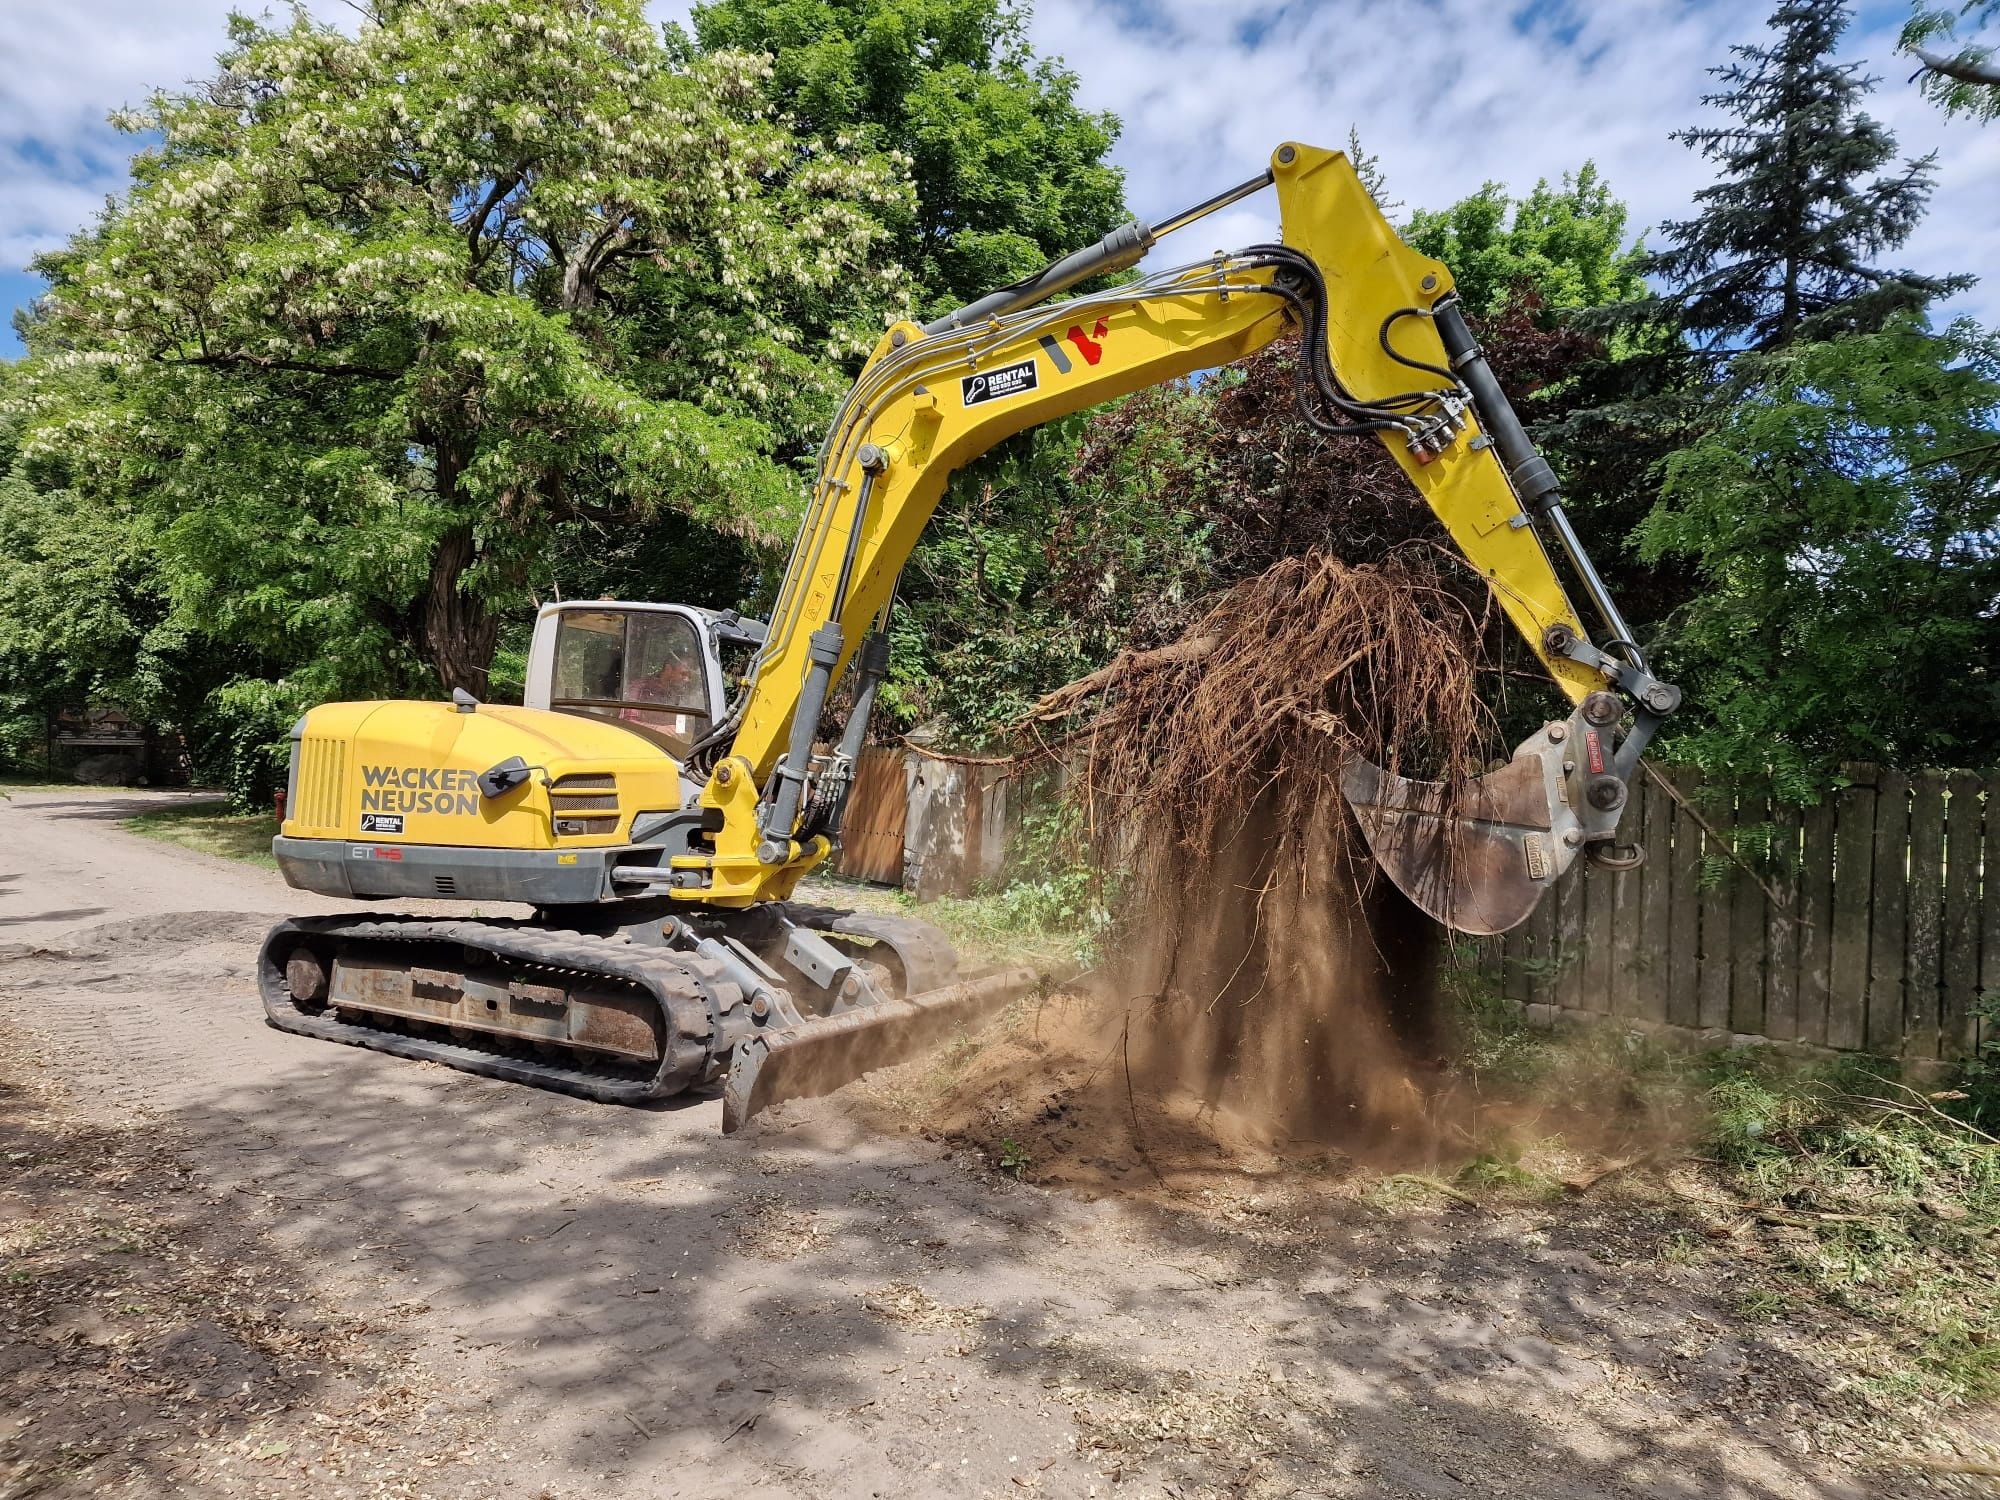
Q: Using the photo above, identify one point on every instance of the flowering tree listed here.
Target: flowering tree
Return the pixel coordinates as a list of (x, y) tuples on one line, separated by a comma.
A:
[(381, 310)]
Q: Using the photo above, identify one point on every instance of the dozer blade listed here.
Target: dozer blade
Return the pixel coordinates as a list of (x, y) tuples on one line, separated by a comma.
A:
[(1477, 856), (822, 1054)]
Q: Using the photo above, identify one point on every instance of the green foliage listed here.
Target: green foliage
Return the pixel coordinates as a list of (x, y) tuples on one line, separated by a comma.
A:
[(1980, 1080), (1803, 467), (1965, 80), (1842, 519), (1566, 244), (242, 742), (1050, 885), (1035, 572), (382, 310), (1009, 172)]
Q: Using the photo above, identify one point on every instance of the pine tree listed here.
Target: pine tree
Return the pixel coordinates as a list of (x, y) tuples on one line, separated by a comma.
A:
[(1808, 193)]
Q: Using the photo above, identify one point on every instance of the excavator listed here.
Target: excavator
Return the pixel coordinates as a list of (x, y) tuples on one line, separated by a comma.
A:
[(662, 790)]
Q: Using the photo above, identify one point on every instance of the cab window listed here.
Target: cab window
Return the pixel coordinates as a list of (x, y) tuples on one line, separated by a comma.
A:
[(639, 667)]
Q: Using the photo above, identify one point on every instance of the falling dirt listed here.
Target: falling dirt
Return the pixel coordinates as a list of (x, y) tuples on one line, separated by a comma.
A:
[(1265, 1002)]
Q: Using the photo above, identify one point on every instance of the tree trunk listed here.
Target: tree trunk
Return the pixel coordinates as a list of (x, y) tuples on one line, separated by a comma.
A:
[(457, 632)]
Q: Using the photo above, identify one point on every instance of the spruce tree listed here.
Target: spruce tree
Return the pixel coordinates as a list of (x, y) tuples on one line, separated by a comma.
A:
[(1808, 193)]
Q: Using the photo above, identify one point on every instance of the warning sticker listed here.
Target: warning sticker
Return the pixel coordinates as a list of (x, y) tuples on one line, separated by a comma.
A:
[(381, 822), (997, 383)]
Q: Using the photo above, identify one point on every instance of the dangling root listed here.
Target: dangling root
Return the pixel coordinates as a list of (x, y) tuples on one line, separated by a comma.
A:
[(1258, 966), (1288, 676)]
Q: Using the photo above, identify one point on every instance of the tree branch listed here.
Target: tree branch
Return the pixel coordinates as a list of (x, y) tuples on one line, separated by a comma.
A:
[(476, 226), (1986, 74), (271, 362)]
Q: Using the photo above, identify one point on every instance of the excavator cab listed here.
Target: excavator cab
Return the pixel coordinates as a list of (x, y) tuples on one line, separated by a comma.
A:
[(657, 669)]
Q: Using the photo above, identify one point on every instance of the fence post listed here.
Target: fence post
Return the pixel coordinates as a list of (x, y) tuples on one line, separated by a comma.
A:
[(1922, 981), (1746, 926), (1958, 964), (1853, 873), (1888, 902), (1684, 912)]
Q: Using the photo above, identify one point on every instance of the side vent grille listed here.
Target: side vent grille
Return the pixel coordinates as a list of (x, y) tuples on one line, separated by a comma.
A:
[(569, 802), (447, 885), (322, 778), (584, 804)]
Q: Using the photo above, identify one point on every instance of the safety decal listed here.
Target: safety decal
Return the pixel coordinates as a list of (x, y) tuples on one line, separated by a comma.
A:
[(998, 383), (381, 822)]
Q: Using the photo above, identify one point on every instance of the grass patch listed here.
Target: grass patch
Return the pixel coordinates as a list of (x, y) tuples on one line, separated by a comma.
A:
[(1871, 1200), (210, 828), (1846, 1190)]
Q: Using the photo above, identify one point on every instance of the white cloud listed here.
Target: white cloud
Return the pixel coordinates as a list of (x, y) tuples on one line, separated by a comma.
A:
[(1452, 93), (64, 66), (1449, 93)]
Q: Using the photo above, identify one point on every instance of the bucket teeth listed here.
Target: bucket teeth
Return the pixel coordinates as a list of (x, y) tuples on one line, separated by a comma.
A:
[(820, 1055)]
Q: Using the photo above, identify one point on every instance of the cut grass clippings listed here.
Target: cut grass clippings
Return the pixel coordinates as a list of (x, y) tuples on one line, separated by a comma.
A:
[(210, 828)]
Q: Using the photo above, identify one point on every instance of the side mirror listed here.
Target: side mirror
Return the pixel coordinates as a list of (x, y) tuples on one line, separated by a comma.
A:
[(503, 778)]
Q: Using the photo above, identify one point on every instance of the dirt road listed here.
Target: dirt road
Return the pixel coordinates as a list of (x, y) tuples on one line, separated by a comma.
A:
[(592, 1300)]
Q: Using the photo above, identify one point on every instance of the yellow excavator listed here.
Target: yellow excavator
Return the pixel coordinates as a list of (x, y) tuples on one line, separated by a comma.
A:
[(657, 811)]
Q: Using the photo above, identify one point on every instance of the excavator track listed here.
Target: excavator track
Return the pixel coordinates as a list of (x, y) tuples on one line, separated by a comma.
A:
[(609, 1018), (688, 994)]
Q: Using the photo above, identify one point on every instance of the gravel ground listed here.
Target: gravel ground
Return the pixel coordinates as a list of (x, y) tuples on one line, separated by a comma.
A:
[(238, 1262)]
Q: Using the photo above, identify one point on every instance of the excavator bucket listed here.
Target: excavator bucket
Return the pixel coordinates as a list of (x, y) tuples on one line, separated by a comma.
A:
[(820, 1055), (1478, 855)]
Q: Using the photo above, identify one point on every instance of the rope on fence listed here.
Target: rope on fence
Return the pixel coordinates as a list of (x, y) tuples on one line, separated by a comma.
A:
[(1777, 899)]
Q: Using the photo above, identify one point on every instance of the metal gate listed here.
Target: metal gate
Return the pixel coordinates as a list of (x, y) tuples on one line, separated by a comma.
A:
[(877, 808)]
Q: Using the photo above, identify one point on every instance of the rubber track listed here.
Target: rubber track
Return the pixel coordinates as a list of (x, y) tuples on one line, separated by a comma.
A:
[(689, 990)]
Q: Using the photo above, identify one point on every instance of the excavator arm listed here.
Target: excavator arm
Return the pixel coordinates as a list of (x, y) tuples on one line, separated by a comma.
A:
[(1387, 353)]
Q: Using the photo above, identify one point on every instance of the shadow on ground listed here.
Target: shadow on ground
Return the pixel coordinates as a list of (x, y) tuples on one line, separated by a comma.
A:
[(631, 1298)]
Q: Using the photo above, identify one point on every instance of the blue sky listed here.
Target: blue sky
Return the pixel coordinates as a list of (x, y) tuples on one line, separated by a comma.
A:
[(1448, 93)]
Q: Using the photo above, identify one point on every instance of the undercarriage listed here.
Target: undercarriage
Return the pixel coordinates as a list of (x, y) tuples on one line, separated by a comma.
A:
[(632, 1003)]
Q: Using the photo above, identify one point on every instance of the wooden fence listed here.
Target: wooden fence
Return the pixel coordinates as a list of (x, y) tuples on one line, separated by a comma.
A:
[(871, 845), (1888, 936)]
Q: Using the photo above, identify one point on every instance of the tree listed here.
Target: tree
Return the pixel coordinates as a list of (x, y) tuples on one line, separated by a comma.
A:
[(1965, 81), (1782, 245), (361, 335), (1009, 171), (1844, 520), (1567, 244)]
